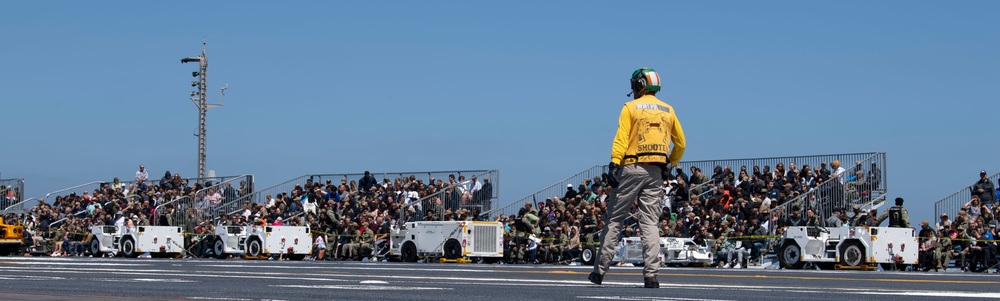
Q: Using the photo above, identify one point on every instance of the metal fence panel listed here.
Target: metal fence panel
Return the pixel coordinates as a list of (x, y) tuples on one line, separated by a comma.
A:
[(11, 192), (954, 202), (457, 196), (557, 189), (223, 197), (23, 206), (869, 193)]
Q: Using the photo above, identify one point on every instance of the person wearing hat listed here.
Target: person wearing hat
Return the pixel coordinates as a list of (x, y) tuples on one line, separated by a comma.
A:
[(943, 250), (530, 219), (898, 218), (119, 220), (944, 218), (166, 217), (570, 193), (927, 248), (834, 220), (550, 245), (858, 218), (641, 157), (983, 189)]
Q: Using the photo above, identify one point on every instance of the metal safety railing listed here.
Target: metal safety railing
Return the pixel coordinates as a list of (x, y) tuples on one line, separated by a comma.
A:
[(708, 166), (20, 207), (558, 189), (185, 214), (864, 183), (57, 222), (223, 197), (11, 192), (954, 202), (189, 182), (475, 199), (266, 195)]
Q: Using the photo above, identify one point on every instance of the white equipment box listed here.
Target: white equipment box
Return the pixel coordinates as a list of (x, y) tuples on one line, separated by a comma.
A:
[(447, 239)]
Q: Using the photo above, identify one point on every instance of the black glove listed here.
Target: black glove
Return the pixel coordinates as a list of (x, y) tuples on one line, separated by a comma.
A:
[(614, 172), (667, 172)]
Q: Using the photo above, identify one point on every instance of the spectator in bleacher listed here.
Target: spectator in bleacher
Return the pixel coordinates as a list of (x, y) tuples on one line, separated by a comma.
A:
[(141, 175), (214, 197), (839, 172), (570, 193), (679, 173), (167, 216), (166, 182), (983, 189), (367, 182), (974, 208), (856, 187), (835, 220), (485, 194), (874, 177), (719, 176), (926, 251), (871, 219), (982, 252)]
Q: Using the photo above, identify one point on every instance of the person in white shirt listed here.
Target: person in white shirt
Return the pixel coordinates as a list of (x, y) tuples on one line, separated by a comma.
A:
[(319, 247), (141, 175), (839, 172), (119, 220), (469, 188)]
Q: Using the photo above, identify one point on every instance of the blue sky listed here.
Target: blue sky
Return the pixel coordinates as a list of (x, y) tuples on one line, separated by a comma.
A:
[(90, 90)]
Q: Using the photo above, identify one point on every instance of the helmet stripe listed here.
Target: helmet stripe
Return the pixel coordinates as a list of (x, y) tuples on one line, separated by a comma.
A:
[(654, 79)]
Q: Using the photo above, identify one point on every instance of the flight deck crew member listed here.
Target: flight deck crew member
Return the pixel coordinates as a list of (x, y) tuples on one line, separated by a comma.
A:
[(640, 157)]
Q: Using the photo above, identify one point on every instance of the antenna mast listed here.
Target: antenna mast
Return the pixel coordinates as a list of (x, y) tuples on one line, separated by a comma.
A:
[(200, 100)]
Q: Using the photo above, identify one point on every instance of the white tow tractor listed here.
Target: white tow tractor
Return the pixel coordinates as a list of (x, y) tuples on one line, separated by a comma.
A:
[(293, 242), (848, 247), (673, 251), (131, 241), (449, 240)]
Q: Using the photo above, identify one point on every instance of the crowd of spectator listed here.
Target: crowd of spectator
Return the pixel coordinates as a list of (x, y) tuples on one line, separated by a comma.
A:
[(731, 211), (347, 218), (969, 238), (63, 225)]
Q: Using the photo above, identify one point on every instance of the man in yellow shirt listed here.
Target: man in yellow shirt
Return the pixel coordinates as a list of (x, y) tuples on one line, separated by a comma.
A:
[(640, 157)]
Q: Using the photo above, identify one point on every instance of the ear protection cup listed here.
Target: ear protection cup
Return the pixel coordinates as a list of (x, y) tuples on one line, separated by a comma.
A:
[(638, 83)]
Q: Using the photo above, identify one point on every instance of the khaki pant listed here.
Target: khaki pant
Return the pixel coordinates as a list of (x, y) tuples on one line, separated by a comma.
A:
[(943, 258), (639, 182), (349, 250)]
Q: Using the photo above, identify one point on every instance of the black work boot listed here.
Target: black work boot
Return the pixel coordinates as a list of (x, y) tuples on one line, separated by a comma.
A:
[(595, 278), (650, 282)]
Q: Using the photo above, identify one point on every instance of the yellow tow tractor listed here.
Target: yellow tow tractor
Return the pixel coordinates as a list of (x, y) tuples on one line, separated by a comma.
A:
[(12, 238)]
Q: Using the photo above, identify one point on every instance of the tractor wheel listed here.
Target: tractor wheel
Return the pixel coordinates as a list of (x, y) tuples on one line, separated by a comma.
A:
[(408, 253), (790, 256), (219, 249), (254, 247), (128, 247), (95, 248), (588, 255), (452, 249), (852, 255)]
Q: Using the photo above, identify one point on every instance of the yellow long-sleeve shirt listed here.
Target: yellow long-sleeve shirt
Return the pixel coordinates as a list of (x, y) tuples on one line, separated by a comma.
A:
[(646, 127)]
